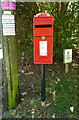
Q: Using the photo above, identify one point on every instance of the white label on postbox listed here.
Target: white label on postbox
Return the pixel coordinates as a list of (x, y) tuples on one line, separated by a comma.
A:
[(67, 55), (43, 48)]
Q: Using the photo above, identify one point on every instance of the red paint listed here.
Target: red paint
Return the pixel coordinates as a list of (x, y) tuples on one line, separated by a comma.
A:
[(43, 26)]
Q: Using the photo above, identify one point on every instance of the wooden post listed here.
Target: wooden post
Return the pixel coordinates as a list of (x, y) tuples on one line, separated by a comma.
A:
[(0, 64), (66, 67), (11, 68), (67, 55)]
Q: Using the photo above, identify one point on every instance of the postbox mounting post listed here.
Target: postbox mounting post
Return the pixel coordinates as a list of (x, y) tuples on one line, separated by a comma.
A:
[(43, 25), (43, 92)]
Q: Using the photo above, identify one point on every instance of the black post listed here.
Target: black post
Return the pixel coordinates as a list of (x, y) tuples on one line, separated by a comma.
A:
[(43, 93)]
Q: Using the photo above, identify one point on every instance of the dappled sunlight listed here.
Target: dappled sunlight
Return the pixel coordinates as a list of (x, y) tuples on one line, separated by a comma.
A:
[(61, 86), (75, 65)]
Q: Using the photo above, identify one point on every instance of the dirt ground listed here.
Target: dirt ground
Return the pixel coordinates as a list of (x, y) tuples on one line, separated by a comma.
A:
[(61, 91)]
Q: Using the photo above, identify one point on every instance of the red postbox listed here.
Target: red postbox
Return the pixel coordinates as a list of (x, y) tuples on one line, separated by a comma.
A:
[(43, 38)]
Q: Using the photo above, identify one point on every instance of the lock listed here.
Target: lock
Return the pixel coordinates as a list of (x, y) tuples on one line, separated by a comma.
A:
[(43, 37)]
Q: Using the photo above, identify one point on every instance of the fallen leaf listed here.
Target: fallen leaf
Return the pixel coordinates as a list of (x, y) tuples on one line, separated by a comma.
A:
[(72, 108), (24, 93)]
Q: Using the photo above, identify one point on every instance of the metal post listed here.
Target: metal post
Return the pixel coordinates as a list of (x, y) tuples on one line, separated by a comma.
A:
[(43, 93)]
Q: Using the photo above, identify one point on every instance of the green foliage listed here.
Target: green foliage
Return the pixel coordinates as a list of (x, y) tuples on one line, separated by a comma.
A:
[(24, 28), (61, 94), (64, 86), (66, 33), (33, 103)]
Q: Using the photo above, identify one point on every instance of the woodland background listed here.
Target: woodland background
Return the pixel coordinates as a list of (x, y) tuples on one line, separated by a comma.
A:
[(61, 88)]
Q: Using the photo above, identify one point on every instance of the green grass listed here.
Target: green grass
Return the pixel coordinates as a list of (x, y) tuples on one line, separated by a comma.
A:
[(61, 94)]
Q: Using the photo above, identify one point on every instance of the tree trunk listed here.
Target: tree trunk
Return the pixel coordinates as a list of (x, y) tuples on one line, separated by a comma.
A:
[(11, 70)]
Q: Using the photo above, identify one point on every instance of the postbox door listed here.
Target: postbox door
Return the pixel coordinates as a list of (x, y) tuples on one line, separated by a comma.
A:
[(43, 50)]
